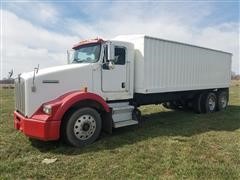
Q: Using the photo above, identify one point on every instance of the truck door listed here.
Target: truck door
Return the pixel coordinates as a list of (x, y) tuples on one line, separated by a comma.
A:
[(114, 80)]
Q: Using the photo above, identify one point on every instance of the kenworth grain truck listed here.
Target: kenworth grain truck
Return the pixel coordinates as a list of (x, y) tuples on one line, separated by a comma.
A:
[(106, 81)]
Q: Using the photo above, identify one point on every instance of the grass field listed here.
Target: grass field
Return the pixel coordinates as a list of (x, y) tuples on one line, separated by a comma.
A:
[(169, 145)]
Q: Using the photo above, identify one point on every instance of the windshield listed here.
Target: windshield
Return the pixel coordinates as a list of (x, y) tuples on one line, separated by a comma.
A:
[(87, 53)]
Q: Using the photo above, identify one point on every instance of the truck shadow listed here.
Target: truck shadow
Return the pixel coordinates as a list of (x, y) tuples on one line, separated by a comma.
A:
[(172, 123)]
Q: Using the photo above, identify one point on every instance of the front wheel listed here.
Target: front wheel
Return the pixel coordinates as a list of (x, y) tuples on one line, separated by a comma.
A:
[(82, 127)]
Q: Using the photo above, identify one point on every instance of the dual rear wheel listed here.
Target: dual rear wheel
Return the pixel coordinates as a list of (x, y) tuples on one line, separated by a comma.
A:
[(210, 102), (206, 102)]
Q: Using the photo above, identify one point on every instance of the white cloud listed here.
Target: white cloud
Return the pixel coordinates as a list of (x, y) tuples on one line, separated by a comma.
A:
[(168, 21), (27, 44), (39, 12), (47, 13)]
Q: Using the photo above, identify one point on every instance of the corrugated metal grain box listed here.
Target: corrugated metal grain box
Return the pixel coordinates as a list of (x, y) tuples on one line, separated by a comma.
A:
[(167, 66)]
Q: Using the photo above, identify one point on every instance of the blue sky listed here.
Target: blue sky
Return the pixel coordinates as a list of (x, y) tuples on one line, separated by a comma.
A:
[(39, 32)]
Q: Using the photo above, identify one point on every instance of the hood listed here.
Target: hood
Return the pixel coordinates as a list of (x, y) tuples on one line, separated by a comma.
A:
[(52, 70), (50, 83)]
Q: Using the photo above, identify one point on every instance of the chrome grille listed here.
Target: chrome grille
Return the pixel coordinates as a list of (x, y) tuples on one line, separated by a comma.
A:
[(20, 96)]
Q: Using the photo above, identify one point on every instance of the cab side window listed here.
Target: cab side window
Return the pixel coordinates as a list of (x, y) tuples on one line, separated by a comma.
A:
[(120, 55)]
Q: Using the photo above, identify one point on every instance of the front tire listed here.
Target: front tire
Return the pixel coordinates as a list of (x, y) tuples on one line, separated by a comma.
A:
[(82, 127)]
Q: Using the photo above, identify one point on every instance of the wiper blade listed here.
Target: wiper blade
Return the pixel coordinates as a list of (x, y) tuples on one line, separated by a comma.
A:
[(77, 60), (84, 60)]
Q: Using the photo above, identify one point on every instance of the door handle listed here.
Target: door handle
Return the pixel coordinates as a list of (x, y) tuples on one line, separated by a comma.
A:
[(123, 84)]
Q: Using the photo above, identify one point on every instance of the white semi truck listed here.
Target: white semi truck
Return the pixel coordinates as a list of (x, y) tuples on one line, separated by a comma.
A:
[(106, 81)]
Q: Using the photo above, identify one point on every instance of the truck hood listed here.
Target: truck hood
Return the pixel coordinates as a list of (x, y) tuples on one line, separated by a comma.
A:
[(53, 82), (52, 70)]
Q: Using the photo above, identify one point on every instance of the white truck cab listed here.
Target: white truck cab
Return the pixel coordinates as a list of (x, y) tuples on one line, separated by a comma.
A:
[(89, 67), (105, 81)]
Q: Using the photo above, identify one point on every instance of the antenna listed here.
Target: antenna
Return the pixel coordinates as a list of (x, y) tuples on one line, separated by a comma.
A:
[(35, 71)]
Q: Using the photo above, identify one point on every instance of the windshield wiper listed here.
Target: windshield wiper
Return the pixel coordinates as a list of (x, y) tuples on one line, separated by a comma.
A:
[(80, 61)]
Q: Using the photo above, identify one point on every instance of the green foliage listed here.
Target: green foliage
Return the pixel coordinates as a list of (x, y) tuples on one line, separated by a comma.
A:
[(169, 145)]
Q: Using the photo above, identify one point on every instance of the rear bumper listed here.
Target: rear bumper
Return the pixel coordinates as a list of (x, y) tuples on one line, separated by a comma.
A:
[(37, 128)]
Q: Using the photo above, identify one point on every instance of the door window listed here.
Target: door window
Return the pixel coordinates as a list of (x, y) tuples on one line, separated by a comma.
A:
[(120, 55)]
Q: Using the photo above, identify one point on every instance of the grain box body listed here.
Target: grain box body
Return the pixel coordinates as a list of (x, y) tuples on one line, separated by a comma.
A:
[(167, 66)]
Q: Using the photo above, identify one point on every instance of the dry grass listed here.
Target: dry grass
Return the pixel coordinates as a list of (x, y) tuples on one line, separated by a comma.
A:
[(235, 83)]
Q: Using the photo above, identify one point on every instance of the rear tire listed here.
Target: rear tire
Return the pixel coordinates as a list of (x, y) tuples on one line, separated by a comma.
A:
[(209, 102), (222, 99), (82, 127)]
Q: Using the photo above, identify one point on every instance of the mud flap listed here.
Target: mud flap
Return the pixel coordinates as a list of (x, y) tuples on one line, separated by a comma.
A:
[(107, 122)]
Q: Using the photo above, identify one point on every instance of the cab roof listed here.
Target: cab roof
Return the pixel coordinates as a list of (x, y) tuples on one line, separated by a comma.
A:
[(88, 41)]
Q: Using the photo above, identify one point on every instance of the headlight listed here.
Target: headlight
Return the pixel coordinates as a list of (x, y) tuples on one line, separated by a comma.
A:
[(47, 109)]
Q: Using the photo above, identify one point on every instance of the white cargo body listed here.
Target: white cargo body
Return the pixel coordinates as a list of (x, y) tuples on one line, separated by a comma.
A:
[(168, 66)]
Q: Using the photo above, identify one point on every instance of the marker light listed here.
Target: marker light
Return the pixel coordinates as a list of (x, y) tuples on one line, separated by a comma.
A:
[(47, 109)]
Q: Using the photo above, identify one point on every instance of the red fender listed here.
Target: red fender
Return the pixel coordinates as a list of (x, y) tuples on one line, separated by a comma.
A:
[(47, 127), (69, 99)]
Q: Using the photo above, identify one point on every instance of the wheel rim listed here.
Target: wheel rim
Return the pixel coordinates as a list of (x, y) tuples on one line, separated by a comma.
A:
[(212, 103), (84, 127), (223, 101)]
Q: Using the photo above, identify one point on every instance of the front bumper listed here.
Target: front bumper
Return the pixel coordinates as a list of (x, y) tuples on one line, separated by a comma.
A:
[(37, 128)]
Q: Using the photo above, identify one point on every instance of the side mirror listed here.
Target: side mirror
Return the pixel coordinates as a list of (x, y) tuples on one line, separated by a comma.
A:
[(110, 59), (110, 51), (111, 65), (108, 65)]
